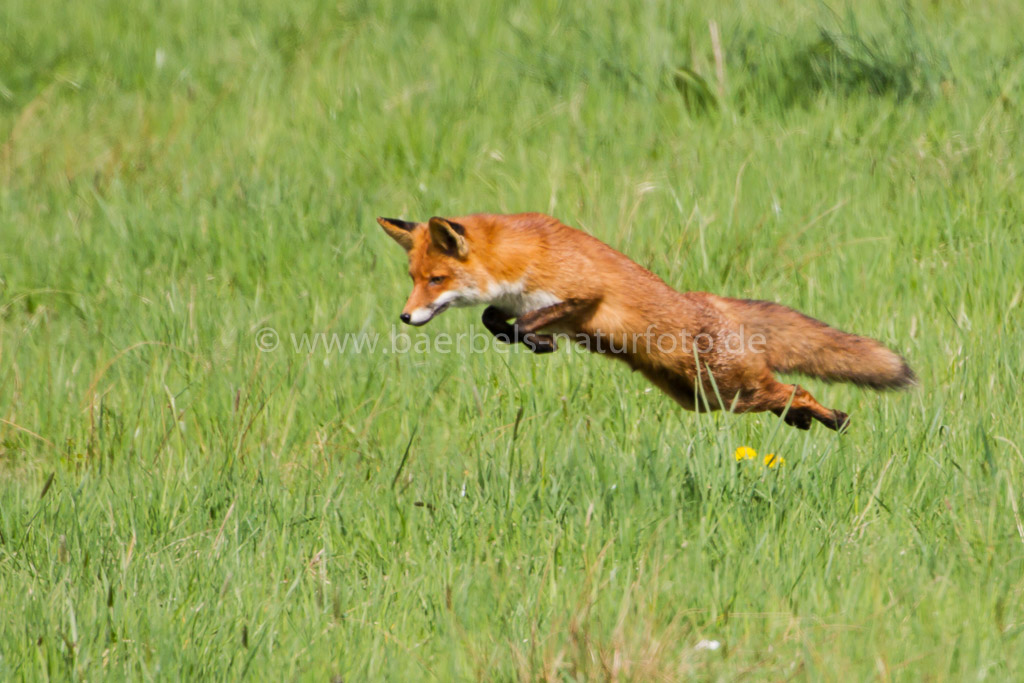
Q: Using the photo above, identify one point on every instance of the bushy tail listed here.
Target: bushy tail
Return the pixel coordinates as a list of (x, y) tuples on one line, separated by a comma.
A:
[(798, 343)]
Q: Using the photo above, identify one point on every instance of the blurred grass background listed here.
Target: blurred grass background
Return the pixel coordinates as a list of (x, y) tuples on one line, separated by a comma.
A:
[(175, 176)]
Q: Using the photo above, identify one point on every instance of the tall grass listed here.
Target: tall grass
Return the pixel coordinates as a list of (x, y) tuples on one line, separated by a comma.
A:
[(178, 177)]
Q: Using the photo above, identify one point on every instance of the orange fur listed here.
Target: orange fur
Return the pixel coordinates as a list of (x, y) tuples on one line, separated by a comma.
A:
[(554, 279)]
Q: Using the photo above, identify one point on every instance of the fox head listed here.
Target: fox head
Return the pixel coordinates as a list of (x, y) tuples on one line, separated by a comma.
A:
[(443, 265)]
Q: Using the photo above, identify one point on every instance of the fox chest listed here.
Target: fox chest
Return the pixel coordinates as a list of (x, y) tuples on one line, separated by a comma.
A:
[(515, 300)]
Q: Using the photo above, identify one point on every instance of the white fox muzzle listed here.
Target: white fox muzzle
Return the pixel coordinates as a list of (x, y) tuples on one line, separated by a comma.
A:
[(424, 314)]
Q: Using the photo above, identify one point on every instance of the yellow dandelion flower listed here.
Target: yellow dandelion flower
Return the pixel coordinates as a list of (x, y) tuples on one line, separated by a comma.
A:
[(745, 453), (772, 460)]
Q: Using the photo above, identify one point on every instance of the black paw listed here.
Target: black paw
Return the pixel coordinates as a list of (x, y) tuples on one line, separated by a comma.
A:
[(496, 322), (540, 343), (840, 421)]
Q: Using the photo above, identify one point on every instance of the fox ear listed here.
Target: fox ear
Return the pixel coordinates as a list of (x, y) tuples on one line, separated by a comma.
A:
[(399, 230), (449, 237)]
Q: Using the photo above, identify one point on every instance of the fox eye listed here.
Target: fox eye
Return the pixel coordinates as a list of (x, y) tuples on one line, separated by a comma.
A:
[(437, 279)]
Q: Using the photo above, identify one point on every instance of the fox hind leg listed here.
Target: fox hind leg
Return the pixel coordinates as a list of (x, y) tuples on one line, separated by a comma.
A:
[(795, 417), (802, 410), (805, 408)]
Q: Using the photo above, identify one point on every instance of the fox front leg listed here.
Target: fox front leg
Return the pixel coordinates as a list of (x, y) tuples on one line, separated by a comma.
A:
[(564, 313), (530, 322), (496, 322), (525, 326)]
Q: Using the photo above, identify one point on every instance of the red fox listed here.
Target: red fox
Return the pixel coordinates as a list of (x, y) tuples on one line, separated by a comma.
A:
[(706, 352)]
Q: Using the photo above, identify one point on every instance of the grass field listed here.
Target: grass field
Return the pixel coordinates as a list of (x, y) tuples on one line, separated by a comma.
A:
[(178, 178)]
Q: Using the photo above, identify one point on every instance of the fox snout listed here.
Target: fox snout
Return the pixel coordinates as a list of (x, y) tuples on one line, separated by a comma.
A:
[(419, 309), (422, 315)]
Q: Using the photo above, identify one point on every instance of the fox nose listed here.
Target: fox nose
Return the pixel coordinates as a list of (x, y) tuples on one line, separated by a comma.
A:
[(405, 317)]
